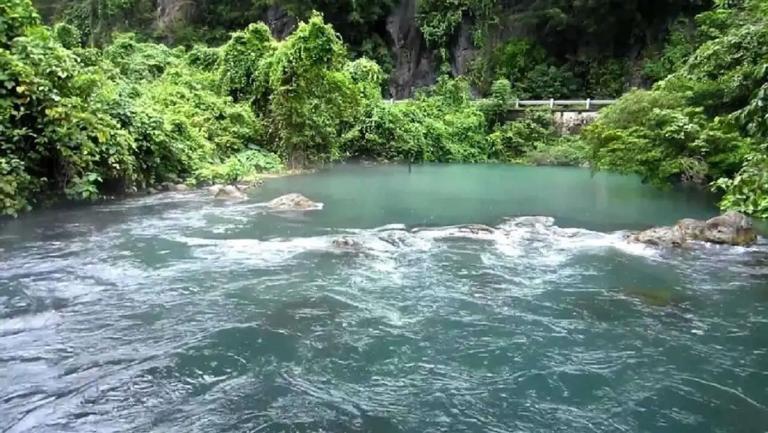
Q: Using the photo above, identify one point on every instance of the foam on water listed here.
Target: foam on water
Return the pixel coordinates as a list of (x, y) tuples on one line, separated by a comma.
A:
[(514, 237)]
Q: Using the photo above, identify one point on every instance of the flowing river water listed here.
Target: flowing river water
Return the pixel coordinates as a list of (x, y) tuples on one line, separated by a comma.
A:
[(177, 313)]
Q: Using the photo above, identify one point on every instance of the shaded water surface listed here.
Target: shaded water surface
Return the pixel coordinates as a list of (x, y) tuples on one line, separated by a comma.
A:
[(174, 313)]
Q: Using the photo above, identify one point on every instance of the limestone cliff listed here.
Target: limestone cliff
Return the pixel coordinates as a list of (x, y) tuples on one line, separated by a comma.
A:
[(414, 64)]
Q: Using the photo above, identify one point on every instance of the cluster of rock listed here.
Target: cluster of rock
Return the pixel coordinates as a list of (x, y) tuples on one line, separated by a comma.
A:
[(288, 202), (165, 187), (293, 202), (731, 228), (227, 192)]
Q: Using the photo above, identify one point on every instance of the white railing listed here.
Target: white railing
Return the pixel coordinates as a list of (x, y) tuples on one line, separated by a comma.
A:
[(552, 103), (572, 104)]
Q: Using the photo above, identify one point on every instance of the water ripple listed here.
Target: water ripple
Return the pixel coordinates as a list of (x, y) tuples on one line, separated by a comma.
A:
[(172, 313)]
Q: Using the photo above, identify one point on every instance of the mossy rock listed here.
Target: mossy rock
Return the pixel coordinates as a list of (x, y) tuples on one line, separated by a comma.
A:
[(654, 297)]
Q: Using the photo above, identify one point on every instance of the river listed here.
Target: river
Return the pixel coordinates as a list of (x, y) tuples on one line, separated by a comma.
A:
[(177, 313)]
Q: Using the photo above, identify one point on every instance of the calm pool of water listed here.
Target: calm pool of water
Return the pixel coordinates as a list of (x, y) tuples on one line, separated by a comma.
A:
[(175, 313)]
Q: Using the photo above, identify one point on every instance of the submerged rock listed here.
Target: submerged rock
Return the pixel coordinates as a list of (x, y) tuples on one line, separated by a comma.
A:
[(396, 238), (470, 231), (731, 228), (243, 186), (347, 244), (653, 297), (230, 192), (476, 229), (293, 201)]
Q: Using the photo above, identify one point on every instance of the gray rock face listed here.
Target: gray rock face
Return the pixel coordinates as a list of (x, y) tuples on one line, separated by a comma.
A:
[(174, 12), (293, 201), (464, 51), (229, 192), (280, 22), (415, 63), (731, 228)]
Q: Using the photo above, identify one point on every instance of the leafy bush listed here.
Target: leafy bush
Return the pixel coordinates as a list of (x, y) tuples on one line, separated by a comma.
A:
[(679, 46), (517, 58), (654, 134), (605, 77), (243, 166), (501, 92), (512, 140), (704, 121), (562, 151), (83, 123), (68, 36), (16, 186), (441, 124), (747, 191), (244, 61), (313, 99), (16, 17)]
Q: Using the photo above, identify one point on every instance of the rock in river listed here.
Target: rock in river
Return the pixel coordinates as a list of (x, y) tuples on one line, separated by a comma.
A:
[(229, 192), (731, 228), (347, 244), (293, 202), (660, 237), (179, 187)]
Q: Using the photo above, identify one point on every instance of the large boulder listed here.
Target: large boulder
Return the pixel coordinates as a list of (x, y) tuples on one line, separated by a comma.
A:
[(731, 228), (691, 229), (293, 201), (660, 237), (229, 192), (179, 187)]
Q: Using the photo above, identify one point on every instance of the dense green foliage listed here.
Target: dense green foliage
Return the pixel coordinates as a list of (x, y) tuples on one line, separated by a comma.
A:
[(86, 122), (588, 48), (705, 122), (86, 114)]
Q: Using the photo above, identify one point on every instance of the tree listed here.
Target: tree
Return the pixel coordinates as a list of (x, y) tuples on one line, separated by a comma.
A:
[(313, 99)]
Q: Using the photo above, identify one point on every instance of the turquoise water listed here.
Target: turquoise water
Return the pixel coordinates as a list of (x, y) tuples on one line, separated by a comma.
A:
[(175, 313)]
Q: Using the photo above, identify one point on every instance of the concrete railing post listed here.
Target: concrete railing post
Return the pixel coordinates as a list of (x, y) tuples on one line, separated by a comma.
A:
[(552, 103), (589, 103)]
